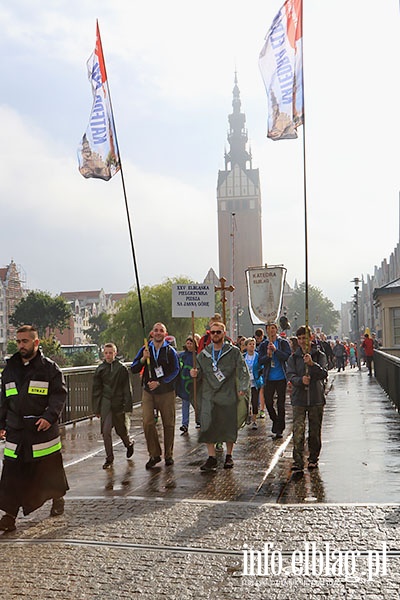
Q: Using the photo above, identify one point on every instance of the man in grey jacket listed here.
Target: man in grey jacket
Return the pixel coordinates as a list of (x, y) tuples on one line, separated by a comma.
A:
[(306, 370)]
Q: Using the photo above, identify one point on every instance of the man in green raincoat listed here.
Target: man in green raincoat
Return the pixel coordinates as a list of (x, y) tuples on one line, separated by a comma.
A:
[(223, 394)]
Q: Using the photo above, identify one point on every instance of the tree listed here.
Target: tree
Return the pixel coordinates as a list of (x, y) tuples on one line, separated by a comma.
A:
[(320, 308), (52, 349), (98, 324), (126, 329), (43, 311)]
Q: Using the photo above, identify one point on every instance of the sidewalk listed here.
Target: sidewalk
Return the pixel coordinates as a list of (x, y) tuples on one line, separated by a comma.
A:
[(177, 533)]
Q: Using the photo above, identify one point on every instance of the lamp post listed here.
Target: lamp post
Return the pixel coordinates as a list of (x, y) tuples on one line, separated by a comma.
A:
[(356, 282)]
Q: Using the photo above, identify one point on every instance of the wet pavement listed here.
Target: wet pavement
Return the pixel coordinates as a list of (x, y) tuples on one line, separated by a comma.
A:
[(174, 532), (359, 463)]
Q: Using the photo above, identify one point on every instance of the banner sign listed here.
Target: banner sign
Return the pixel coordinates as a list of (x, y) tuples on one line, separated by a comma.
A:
[(265, 288), (199, 298)]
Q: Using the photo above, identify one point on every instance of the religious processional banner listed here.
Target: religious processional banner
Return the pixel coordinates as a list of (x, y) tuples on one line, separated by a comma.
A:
[(265, 287)]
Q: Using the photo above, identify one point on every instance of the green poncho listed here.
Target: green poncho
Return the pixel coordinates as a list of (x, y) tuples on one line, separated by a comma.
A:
[(222, 411)]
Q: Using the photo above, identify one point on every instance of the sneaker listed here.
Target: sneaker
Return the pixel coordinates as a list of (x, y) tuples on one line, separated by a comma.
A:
[(254, 425), (198, 425), (262, 414), (228, 462), (184, 429), (169, 461), (219, 447), (7, 523), (153, 460), (210, 464), (108, 464), (129, 450), (57, 507)]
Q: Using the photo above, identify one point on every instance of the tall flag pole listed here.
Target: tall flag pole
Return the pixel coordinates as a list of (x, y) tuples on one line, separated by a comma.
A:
[(98, 153), (282, 70)]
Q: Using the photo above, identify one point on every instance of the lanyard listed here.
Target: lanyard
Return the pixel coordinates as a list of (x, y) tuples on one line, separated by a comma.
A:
[(156, 353), (215, 360)]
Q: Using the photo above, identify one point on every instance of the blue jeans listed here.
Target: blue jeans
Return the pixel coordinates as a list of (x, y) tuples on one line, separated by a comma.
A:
[(185, 412)]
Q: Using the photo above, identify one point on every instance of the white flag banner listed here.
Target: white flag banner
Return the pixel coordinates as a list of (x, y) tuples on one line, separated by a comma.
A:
[(265, 288)]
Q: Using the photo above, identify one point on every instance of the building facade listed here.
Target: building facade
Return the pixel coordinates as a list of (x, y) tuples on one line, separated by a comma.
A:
[(239, 219)]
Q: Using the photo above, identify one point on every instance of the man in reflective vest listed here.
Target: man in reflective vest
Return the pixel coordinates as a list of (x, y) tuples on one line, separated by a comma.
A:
[(33, 394)]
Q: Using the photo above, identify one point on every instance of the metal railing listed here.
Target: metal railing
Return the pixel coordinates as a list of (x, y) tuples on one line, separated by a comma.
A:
[(387, 372), (79, 382)]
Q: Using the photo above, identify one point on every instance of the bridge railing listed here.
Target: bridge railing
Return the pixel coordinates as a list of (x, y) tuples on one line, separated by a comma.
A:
[(79, 381), (387, 372)]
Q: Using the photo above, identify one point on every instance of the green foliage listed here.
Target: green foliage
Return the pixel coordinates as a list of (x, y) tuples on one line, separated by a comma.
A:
[(12, 347), (98, 325), (42, 310), (321, 310), (83, 359), (52, 349), (126, 329)]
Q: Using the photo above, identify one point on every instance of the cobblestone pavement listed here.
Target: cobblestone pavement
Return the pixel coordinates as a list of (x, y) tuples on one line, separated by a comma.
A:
[(176, 533)]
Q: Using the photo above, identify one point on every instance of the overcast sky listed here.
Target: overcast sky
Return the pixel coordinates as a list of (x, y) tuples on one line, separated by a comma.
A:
[(171, 73)]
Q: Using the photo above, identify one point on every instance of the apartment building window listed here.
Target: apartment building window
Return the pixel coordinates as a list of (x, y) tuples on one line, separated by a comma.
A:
[(396, 326)]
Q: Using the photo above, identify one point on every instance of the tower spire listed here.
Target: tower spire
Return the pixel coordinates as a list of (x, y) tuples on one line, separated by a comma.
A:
[(237, 135)]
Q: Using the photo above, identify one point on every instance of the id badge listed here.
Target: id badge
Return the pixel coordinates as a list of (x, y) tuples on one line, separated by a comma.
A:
[(219, 375), (159, 372)]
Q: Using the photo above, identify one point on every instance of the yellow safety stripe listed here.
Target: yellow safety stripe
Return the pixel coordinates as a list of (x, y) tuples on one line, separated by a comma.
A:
[(9, 450), (39, 450), (11, 389)]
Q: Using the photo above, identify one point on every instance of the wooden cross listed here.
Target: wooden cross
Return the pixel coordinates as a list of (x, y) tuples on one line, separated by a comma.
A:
[(223, 289)]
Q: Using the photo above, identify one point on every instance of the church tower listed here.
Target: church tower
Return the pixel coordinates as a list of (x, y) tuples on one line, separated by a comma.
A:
[(239, 219)]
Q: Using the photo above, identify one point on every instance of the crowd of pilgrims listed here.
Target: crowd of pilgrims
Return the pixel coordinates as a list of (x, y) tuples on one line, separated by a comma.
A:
[(339, 355)]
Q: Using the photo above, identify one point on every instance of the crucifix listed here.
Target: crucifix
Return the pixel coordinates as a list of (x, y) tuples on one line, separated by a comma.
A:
[(223, 289)]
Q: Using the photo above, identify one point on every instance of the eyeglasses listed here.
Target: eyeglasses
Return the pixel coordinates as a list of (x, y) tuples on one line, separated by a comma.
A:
[(216, 332)]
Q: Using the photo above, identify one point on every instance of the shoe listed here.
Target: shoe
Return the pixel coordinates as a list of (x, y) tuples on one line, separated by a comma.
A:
[(108, 464), (278, 436), (129, 450), (7, 523), (184, 429), (262, 414), (254, 425), (57, 507), (228, 462), (296, 469), (198, 425), (210, 464), (313, 464), (219, 447), (169, 461), (153, 460)]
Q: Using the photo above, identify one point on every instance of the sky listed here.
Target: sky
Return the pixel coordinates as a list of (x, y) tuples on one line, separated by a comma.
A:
[(171, 72)]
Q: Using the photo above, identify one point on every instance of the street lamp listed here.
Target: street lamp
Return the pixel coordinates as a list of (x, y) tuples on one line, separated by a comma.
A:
[(356, 282)]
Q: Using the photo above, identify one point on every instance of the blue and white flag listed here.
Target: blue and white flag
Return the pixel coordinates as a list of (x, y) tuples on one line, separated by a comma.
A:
[(281, 66), (98, 153)]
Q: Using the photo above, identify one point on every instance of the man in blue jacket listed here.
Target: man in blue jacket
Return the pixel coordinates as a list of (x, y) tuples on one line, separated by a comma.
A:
[(160, 365), (272, 355)]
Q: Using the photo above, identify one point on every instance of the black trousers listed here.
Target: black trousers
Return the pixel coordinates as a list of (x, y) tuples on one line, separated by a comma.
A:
[(277, 416)]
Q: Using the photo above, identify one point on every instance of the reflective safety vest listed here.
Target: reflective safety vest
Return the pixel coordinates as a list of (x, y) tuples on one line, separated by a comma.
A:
[(38, 450)]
